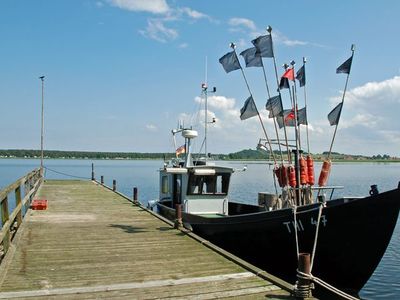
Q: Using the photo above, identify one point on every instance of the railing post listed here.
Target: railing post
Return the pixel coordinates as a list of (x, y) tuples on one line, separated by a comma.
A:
[(18, 202), (4, 219), (114, 187), (178, 214), (92, 171), (102, 179), (135, 195)]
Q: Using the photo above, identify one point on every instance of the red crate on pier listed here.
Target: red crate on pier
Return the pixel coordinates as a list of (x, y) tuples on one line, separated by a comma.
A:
[(39, 204)]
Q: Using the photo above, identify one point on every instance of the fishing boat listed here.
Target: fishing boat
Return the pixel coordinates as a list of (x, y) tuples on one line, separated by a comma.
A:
[(346, 237)]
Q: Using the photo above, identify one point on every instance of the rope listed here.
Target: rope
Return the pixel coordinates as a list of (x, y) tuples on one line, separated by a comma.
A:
[(65, 174), (321, 206), (295, 231), (325, 285)]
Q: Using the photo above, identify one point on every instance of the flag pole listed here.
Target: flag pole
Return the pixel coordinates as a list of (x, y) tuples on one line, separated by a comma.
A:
[(269, 30), (42, 128), (344, 94), (233, 46), (305, 105), (297, 134), (272, 111)]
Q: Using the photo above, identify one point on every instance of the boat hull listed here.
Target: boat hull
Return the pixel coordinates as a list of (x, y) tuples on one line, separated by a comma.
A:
[(353, 237)]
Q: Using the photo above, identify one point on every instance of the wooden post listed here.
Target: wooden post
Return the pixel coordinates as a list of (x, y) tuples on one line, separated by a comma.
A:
[(102, 179), (178, 216), (114, 188), (135, 195), (92, 171), (303, 289), (4, 219), (18, 202)]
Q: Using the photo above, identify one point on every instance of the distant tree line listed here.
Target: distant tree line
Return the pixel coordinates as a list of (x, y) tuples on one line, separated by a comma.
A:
[(247, 154)]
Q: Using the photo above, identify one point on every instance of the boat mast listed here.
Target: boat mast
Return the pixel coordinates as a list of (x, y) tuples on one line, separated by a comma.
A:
[(204, 88)]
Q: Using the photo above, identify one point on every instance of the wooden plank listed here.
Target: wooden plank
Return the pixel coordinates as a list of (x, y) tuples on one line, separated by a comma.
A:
[(92, 243)]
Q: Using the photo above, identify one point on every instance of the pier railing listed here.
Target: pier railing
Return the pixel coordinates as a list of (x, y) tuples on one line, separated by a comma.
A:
[(11, 220)]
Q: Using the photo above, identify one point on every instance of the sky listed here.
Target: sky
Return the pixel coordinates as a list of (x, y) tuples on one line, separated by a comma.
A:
[(121, 74)]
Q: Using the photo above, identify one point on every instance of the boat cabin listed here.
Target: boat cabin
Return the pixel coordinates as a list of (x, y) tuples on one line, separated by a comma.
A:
[(201, 190)]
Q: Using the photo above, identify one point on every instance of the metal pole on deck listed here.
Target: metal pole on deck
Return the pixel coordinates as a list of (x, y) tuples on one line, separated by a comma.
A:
[(42, 127)]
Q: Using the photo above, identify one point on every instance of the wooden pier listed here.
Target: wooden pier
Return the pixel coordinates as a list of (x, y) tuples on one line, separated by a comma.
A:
[(91, 242)]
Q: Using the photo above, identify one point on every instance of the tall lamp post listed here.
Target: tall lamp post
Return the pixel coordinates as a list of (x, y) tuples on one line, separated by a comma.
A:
[(41, 135)]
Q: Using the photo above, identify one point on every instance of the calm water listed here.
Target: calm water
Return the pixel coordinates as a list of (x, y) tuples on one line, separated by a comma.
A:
[(356, 177)]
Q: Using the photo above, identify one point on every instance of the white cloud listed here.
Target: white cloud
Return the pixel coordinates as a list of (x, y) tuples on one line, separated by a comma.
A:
[(242, 22), (151, 6), (369, 123), (151, 127), (218, 102), (183, 45), (194, 14), (156, 30)]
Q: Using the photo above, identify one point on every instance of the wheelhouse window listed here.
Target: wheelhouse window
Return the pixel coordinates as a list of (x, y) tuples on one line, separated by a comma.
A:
[(216, 184), (164, 185)]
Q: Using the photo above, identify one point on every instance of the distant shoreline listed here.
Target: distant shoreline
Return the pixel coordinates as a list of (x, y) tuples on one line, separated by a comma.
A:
[(247, 155)]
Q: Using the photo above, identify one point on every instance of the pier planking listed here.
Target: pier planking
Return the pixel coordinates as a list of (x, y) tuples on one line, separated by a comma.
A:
[(93, 243)]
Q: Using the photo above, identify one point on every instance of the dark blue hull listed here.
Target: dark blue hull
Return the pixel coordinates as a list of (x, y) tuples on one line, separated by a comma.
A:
[(353, 237)]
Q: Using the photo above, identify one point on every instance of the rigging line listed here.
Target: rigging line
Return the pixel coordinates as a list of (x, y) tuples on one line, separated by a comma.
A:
[(316, 235), (65, 174), (295, 230), (258, 113)]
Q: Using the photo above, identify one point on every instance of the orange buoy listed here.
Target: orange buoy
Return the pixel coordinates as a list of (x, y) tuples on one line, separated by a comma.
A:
[(310, 170), (323, 176), (281, 174), (292, 176), (303, 171)]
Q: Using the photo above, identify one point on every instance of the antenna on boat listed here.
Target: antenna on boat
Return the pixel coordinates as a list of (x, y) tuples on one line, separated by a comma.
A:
[(204, 89)]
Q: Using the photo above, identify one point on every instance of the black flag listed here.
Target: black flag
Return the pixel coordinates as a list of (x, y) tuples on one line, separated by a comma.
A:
[(249, 109), (251, 58), (274, 105), (264, 45), (301, 76), (334, 115), (302, 116), (230, 62), (284, 84), (345, 67)]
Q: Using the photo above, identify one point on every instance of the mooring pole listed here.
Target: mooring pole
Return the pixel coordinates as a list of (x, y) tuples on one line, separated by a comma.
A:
[(114, 187), (102, 179), (303, 284), (92, 171), (178, 215), (135, 195)]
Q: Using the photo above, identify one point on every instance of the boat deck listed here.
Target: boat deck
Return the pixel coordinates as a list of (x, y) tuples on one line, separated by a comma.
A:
[(93, 243)]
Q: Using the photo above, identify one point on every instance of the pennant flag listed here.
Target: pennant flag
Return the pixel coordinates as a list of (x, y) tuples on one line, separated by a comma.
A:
[(288, 117), (284, 84), (345, 67), (302, 116), (251, 58), (230, 62), (180, 150), (274, 106), (289, 74), (301, 76), (263, 45), (334, 115), (249, 109)]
